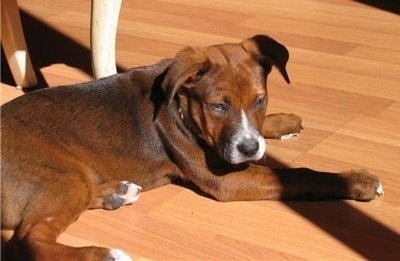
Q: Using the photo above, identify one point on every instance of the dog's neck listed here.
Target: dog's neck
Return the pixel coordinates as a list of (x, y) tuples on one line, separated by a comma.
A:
[(183, 114)]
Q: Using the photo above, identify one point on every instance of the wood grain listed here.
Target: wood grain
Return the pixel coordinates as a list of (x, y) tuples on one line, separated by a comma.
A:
[(344, 67)]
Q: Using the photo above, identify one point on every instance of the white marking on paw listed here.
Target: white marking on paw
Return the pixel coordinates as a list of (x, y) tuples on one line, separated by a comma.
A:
[(119, 255), (132, 194), (379, 190), (289, 136)]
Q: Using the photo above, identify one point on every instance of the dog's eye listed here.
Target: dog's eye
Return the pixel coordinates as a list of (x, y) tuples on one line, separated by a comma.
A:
[(220, 107), (259, 101)]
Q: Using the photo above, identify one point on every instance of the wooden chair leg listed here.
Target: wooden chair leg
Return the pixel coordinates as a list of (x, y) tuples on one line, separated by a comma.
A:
[(14, 46), (104, 22)]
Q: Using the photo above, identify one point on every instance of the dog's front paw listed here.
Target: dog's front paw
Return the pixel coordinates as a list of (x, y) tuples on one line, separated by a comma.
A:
[(363, 186), (129, 192), (115, 194), (282, 126), (125, 193)]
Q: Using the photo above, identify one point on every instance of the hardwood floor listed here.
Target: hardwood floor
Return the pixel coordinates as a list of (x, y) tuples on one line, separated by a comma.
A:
[(345, 72)]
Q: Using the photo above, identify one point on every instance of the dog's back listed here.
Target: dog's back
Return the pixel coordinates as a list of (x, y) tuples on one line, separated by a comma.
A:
[(87, 129)]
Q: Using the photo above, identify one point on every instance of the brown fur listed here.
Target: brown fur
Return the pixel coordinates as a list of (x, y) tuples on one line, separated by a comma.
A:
[(67, 149)]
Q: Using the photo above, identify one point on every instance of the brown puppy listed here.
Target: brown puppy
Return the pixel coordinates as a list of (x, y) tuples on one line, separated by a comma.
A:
[(199, 117)]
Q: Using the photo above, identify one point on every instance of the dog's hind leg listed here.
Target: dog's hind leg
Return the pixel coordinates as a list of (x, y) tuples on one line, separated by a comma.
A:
[(114, 194), (35, 238)]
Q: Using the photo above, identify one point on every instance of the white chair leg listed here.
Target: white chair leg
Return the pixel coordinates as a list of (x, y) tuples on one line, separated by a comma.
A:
[(104, 22), (14, 46)]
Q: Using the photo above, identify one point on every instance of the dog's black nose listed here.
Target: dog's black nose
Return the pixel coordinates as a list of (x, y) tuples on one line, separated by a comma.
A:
[(249, 147)]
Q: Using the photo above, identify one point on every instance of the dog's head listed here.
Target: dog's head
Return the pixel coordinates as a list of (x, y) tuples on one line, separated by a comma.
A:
[(223, 94)]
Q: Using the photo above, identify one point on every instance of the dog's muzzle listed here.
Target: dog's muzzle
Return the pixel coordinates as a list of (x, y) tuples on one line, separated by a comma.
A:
[(244, 149), (249, 147)]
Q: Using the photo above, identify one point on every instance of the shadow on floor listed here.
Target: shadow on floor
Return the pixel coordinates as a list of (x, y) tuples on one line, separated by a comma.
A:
[(387, 5), (364, 235), (47, 46)]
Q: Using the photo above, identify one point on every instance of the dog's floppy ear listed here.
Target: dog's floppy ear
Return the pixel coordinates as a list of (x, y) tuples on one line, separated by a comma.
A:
[(268, 52), (189, 65)]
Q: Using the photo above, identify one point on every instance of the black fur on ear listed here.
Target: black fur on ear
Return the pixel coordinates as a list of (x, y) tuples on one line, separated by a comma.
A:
[(189, 65), (268, 52)]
